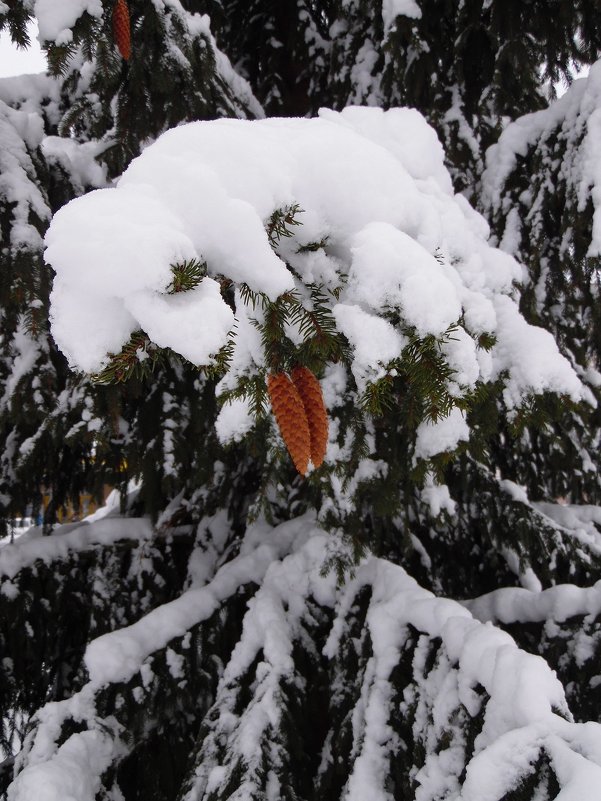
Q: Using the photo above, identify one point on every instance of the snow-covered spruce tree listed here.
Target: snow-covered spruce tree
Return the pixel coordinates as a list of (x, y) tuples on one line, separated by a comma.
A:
[(557, 149), (36, 453), (373, 686), (539, 190), (63, 135), (470, 67), (335, 245)]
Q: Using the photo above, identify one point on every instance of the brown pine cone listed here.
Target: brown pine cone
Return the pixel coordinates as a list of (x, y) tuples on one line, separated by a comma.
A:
[(122, 28), (309, 389), (291, 418)]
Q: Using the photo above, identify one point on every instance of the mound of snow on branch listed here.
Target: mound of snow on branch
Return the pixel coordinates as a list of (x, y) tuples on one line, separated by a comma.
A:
[(379, 227)]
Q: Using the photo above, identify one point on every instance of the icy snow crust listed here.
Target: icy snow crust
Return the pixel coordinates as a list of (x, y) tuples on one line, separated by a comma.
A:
[(371, 184), (525, 709)]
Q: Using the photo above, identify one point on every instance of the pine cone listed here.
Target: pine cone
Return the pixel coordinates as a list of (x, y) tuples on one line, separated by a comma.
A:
[(122, 28), (309, 389), (291, 418)]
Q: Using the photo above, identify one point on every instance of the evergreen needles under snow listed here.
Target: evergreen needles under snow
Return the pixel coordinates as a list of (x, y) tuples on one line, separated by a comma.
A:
[(422, 698), (398, 253)]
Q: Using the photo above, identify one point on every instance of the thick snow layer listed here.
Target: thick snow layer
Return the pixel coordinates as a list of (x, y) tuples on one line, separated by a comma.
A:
[(374, 341), (234, 420), (405, 276), (525, 705), (394, 8), (533, 604), (119, 655), (78, 160), (33, 546), (442, 435), (31, 93), (518, 605), (540, 368), (74, 773), (55, 20), (398, 251)]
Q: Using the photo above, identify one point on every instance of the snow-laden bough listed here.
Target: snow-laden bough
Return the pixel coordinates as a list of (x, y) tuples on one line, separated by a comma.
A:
[(380, 229)]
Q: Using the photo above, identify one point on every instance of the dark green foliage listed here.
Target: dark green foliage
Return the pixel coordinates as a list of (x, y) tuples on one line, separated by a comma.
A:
[(572, 648), (280, 223), (137, 359), (172, 76), (161, 718), (536, 209), (15, 18), (496, 537), (186, 276), (281, 48)]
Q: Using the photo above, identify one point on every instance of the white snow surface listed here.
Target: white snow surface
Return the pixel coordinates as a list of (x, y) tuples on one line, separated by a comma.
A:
[(33, 546), (77, 159), (372, 186), (74, 773), (442, 435), (524, 695), (519, 605), (394, 8), (29, 92), (55, 20)]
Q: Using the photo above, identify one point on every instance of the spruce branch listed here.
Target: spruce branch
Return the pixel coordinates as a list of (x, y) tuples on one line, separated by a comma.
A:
[(428, 374), (486, 341), (252, 388), (16, 17), (74, 115), (59, 57), (221, 359), (417, 382), (36, 316), (277, 346), (249, 297), (313, 247), (86, 32), (379, 396), (186, 276), (322, 342), (280, 222), (138, 358)]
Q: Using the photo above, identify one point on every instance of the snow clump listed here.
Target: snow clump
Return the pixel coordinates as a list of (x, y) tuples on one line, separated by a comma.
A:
[(396, 249)]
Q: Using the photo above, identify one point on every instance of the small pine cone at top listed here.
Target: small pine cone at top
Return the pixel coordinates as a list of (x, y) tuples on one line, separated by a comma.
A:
[(291, 419), (309, 389), (122, 28)]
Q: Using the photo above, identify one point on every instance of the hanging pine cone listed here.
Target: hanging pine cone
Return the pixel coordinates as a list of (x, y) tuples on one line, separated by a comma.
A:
[(291, 418), (309, 389), (122, 28)]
